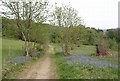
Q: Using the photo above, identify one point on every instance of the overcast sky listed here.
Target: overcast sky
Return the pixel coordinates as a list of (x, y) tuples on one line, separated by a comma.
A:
[(102, 14)]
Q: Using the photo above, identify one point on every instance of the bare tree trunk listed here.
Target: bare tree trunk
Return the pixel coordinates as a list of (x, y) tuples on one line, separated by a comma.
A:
[(9, 52), (66, 49), (26, 45), (20, 27)]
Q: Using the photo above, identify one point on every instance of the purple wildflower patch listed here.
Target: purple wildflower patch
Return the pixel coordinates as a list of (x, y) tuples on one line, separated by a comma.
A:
[(20, 59), (91, 62)]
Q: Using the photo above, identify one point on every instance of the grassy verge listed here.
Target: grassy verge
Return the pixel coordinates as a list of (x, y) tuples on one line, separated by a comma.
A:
[(12, 70), (82, 71)]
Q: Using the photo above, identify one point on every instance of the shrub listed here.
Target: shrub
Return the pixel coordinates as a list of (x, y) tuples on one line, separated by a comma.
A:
[(113, 44)]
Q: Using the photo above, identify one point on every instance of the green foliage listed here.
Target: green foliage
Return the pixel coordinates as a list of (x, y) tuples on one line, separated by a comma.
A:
[(40, 33), (43, 33), (9, 28), (113, 34), (113, 44), (113, 37), (75, 35)]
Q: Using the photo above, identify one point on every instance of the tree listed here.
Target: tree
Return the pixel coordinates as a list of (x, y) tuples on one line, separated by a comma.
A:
[(103, 45), (113, 34), (113, 38), (65, 17), (9, 28), (25, 13)]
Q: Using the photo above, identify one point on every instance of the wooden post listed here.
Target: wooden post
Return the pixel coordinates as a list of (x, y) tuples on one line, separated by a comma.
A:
[(9, 51), (4, 61), (23, 51)]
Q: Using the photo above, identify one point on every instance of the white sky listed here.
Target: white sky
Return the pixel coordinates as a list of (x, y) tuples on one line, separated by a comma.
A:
[(102, 14)]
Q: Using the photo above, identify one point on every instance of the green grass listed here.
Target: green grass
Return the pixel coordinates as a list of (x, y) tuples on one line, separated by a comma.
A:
[(15, 47), (84, 50), (13, 70), (11, 48), (88, 50), (57, 47), (82, 71)]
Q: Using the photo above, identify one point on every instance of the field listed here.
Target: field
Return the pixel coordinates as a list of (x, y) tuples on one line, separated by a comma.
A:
[(11, 48), (81, 65)]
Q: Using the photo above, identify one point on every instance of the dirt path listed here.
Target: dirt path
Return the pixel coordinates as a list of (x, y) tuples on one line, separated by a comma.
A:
[(43, 69)]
